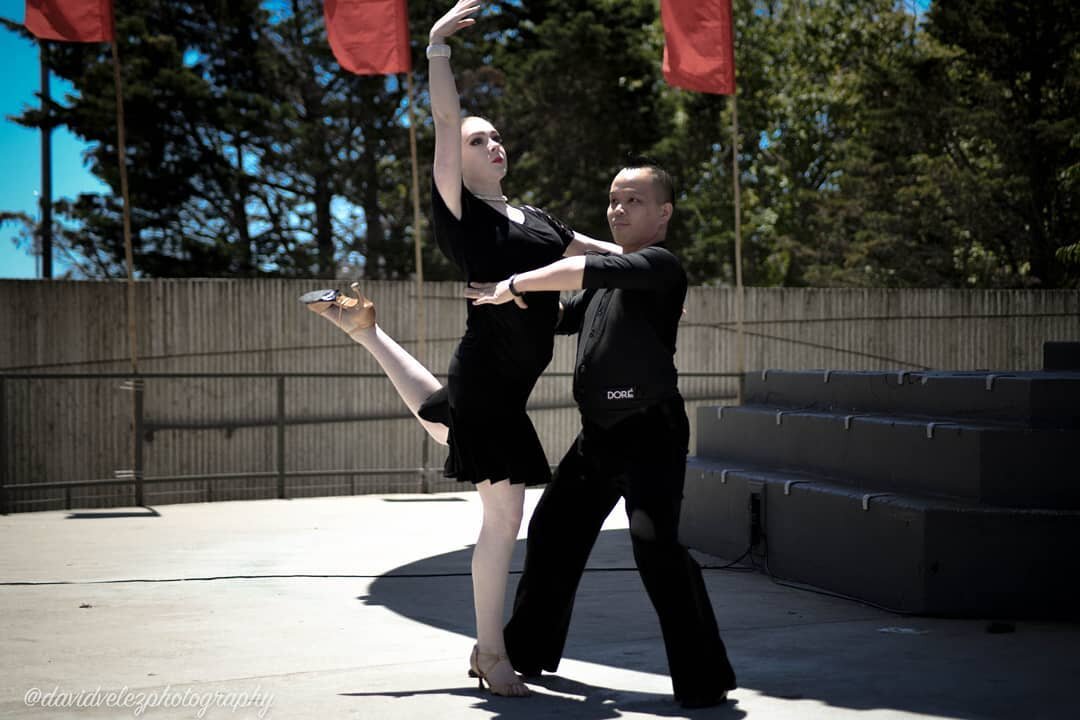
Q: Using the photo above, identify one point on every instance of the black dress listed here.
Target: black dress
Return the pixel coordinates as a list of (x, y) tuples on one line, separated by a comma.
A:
[(504, 349)]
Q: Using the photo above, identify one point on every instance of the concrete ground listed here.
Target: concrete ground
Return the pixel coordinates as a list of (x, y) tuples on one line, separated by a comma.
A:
[(360, 607)]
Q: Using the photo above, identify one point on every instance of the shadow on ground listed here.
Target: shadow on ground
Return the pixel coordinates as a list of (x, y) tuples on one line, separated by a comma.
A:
[(784, 643), (107, 514), (576, 700)]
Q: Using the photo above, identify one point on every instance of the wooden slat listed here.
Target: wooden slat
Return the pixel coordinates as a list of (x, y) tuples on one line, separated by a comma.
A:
[(58, 430)]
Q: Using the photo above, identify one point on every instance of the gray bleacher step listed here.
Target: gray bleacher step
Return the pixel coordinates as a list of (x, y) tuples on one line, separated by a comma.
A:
[(904, 552), (1035, 398), (997, 465)]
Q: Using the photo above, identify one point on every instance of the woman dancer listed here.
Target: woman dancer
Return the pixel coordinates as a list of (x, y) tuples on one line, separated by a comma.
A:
[(481, 414)]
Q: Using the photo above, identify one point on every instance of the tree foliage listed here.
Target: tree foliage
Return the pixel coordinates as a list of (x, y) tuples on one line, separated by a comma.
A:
[(874, 148)]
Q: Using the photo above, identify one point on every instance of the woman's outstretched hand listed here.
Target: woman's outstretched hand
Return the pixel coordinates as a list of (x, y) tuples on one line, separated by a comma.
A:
[(457, 18), (493, 294)]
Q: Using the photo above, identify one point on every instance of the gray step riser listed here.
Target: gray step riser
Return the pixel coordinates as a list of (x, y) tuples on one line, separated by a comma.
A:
[(1048, 402), (1008, 467), (909, 555)]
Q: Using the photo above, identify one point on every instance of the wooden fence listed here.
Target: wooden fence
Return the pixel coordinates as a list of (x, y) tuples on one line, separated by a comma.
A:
[(237, 380)]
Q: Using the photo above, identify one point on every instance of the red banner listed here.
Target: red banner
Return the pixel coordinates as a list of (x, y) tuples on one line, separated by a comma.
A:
[(70, 20), (369, 37), (699, 48)]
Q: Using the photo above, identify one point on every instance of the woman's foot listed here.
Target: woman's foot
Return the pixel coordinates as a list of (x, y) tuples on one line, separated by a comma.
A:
[(495, 669), (348, 313)]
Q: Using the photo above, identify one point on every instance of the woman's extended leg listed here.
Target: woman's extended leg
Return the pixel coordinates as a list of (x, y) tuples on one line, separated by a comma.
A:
[(503, 507), (413, 382)]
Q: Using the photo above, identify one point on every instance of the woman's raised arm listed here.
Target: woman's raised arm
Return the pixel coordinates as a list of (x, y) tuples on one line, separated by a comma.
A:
[(445, 104)]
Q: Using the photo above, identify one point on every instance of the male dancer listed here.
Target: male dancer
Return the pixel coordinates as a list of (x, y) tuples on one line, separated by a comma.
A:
[(633, 443)]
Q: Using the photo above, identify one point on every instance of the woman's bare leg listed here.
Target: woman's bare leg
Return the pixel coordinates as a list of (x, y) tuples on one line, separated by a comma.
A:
[(413, 382), (503, 505)]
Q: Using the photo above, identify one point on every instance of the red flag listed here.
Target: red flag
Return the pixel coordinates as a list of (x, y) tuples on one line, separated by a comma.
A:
[(699, 48), (71, 20), (369, 37)]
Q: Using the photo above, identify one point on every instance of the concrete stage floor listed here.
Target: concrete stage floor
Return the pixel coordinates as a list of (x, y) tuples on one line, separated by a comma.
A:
[(360, 607)]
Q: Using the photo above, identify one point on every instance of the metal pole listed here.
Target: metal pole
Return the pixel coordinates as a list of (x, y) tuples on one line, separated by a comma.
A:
[(45, 228), (3, 448), (133, 345), (421, 314), (740, 350), (421, 309), (137, 390), (129, 260), (281, 436)]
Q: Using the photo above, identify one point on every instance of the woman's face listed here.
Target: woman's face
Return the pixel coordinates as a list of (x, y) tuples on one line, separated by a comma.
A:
[(483, 157)]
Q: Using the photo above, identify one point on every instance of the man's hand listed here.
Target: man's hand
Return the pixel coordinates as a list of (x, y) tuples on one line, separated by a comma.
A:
[(493, 294)]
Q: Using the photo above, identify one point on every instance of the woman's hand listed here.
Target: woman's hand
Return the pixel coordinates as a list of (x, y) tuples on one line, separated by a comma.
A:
[(457, 18), (493, 294)]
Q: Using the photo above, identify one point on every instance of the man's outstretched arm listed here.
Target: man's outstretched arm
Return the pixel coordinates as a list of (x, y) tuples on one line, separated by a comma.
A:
[(565, 274)]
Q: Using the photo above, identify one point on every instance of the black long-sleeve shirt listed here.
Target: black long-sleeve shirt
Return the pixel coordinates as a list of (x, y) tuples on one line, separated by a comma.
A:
[(627, 319)]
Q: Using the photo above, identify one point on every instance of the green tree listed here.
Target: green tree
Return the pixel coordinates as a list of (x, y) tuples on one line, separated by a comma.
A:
[(583, 97), (1018, 74), (798, 66), (192, 77), (326, 159), (872, 151), (250, 151), (957, 170)]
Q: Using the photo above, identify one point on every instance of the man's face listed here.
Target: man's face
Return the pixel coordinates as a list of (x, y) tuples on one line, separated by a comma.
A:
[(635, 214)]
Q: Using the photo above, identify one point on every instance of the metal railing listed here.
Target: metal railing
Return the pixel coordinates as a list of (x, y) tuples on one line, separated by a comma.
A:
[(143, 429)]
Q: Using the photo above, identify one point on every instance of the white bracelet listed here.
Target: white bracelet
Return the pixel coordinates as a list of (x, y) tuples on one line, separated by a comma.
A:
[(438, 50)]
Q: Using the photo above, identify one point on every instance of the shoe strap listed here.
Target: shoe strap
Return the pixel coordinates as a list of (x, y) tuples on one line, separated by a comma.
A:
[(499, 657)]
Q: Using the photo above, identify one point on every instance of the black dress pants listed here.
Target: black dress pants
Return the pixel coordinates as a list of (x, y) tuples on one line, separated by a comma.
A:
[(642, 459)]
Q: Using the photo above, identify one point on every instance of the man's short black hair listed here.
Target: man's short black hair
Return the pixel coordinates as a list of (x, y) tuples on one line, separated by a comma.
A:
[(661, 177)]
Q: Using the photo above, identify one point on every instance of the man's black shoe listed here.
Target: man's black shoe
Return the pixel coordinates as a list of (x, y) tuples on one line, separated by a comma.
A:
[(691, 702)]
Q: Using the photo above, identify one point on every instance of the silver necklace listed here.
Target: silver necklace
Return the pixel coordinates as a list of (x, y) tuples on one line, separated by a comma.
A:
[(490, 198)]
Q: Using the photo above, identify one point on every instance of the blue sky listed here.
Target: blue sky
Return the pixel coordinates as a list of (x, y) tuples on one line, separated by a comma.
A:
[(21, 148)]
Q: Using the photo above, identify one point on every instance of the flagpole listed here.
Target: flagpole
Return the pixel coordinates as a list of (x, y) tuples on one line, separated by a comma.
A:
[(699, 55), (129, 260), (421, 323), (421, 314), (45, 228), (740, 348)]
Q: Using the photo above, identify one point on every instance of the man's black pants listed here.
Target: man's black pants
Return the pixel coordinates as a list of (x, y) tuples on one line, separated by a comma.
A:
[(642, 459)]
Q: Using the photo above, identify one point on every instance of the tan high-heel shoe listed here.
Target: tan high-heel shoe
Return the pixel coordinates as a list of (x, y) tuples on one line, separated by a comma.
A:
[(348, 313), (518, 688)]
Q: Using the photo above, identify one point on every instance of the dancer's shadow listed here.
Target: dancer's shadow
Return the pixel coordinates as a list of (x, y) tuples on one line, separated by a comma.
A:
[(588, 702), (409, 591), (611, 602), (784, 644)]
